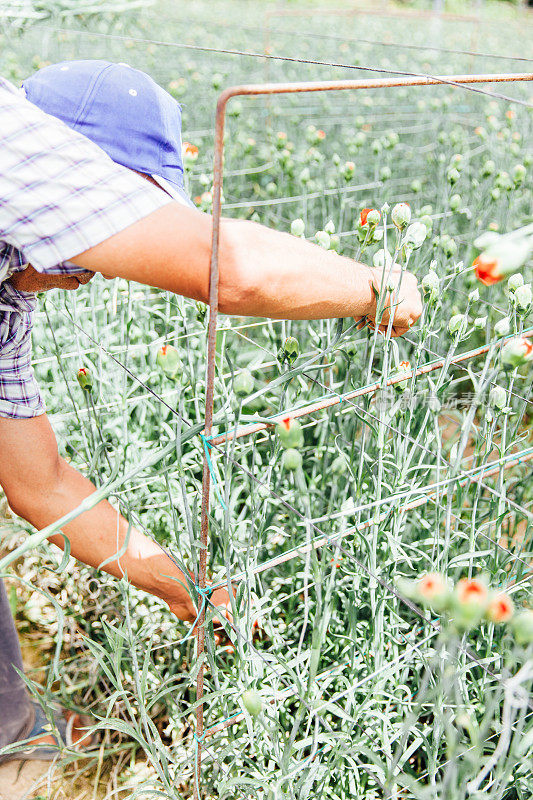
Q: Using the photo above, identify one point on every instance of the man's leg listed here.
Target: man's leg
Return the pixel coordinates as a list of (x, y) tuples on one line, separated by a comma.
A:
[(16, 711)]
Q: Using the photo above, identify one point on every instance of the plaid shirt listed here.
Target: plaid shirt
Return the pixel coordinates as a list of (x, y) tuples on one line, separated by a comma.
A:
[(60, 194)]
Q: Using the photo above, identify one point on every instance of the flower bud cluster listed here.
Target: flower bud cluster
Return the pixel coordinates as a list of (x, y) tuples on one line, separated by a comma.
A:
[(470, 602)]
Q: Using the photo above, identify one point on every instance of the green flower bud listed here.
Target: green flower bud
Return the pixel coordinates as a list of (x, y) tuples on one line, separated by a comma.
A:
[(339, 465), (85, 379), (522, 627), (415, 235), (457, 324), (426, 220), (235, 108), (503, 181), (348, 170), (519, 174), (498, 397), (252, 702), (515, 281), (455, 202), (401, 215), (523, 296), (373, 217), (297, 227), (448, 245), (289, 351), (488, 168), (382, 258), (168, 359), (243, 384), (430, 284), (393, 138), (290, 433), (502, 327), (480, 323), (453, 176), (323, 239), (291, 459)]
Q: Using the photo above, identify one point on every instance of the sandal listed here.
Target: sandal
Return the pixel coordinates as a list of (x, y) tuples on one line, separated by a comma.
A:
[(63, 726)]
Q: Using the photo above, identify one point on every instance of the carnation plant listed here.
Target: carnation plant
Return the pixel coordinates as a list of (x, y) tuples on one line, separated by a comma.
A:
[(371, 500)]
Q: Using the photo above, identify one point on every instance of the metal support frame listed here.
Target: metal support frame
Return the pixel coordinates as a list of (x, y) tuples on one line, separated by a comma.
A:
[(255, 90)]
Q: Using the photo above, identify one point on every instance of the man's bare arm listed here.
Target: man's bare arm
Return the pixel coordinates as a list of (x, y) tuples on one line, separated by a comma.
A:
[(41, 487), (263, 272)]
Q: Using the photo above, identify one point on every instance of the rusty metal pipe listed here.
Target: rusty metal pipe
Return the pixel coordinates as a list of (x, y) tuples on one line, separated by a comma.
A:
[(328, 402), (405, 14)]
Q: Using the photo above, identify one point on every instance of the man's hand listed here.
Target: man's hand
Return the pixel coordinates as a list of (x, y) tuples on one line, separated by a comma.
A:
[(29, 280), (402, 299)]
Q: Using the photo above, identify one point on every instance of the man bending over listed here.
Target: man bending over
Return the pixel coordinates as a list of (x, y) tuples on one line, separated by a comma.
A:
[(95, 184)]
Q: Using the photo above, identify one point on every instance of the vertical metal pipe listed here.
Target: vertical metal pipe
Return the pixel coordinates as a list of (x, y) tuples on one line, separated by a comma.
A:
[(209, 402)]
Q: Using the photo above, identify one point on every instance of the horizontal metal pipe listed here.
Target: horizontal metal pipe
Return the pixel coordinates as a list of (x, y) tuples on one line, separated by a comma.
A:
[(256, 89), (492, 468), (327, 402)]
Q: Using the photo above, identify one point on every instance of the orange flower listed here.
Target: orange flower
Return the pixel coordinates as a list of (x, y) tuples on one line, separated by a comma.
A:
[(190, 151), (431, 585), (320, 135), (364, 215), (370, 216), (510, 114), (500, 608), (487, 271), (472, 590), (405, 365)]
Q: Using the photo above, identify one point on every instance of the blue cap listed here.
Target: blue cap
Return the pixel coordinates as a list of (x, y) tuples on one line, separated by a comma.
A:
[(122, 110)]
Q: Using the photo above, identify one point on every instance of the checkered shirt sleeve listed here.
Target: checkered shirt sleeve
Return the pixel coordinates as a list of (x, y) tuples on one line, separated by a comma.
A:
[(60, 194), (20, 397)]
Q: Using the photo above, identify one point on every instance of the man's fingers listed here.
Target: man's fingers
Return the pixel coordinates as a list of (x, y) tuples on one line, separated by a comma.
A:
[(397, 331)]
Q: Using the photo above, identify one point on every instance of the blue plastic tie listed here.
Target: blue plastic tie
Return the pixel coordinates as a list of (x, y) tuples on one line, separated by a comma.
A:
[(212, 472), (203, 591)]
